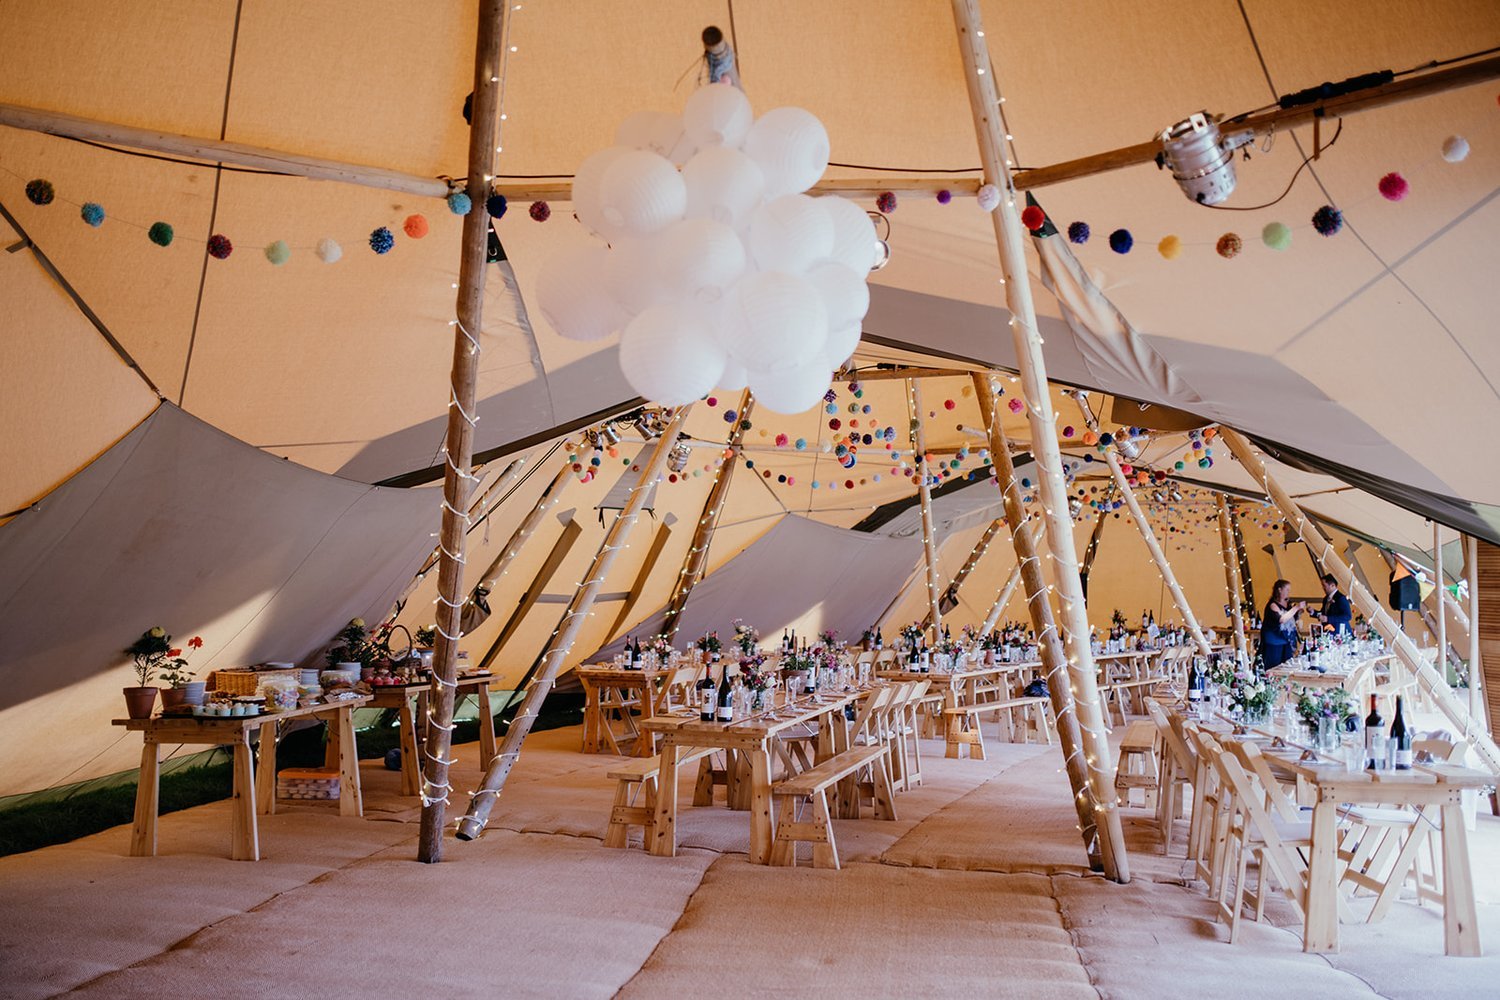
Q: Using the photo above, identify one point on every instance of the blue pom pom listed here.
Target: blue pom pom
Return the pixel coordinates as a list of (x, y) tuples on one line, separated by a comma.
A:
[(1328, 220), (1078, 232), (381, 240), (92, 213), (1120, 241), (496, 205), (460, 203)]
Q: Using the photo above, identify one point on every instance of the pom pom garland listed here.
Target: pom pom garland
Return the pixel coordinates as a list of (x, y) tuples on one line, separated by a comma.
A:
[(1328, 220), (92, 213), (381, 240), (1276, 235), (1033, 218), (278, 253), (885, 202), (944, 196), (460, 203), (496, 205), (219, 247), (1455, 149), (1078, 232), (1393, 187), (160, 233), (1170, 247), (988, 198), (540, 211), (415, 226), (40, 192), (1229, 245), (328, 250), (1120, 241)]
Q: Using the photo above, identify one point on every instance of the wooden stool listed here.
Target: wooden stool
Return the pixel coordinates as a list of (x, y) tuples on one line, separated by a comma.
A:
[(1138, 766)]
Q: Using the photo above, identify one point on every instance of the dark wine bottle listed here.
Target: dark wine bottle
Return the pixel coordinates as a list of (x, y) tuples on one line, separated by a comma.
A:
[(1374, 736), (726, 697), (706, 690), (1401, 739)]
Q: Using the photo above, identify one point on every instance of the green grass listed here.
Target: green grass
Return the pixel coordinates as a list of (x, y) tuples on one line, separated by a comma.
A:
[(57, 816)]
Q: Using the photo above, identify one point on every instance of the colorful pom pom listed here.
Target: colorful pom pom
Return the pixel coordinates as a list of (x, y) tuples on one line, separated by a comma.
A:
[(93, 213), (1170, 247), (1393, 187), (1120, 241), (1328, 220), (381, 240), (496, 204), (219, 247), (40, 192), (1455, 149), (460, 203), (1229, 245), (329, 250), (885, 202), (415, 226), (949, 404), (1078, 232), (1276, 235), (161, 234), (1016, 406), (540, 211), (988, 198), (944, 196), (278, 253), (1033, 218)]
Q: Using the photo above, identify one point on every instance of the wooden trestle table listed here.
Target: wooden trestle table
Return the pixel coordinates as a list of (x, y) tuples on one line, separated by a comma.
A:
[(413, 735)]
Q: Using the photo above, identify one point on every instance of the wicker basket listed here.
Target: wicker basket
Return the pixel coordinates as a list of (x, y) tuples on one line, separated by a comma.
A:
[(246, 682)]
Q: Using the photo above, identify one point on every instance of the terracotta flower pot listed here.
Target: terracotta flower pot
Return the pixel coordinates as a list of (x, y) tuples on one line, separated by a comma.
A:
[(139, 701), (173, 697)]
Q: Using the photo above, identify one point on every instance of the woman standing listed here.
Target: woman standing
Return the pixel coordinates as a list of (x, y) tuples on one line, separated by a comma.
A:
[(1278, 631)]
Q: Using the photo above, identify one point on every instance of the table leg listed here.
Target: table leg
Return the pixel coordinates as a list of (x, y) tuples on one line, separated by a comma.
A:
[(265, 770), (351, 800), (664, 833), (760, 805), (411, 761), (245, 831), (1460, 921), (1321, 917), (486, 726), (591, 713), (147, 801)]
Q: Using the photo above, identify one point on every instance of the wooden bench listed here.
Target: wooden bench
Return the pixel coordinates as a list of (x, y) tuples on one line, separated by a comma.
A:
[(813, 785), (1125, 691), (1026, 716), (1138, 763), (636, 776)]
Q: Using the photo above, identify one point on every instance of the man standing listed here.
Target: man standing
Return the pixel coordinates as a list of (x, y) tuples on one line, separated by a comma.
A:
[(1336, 610)]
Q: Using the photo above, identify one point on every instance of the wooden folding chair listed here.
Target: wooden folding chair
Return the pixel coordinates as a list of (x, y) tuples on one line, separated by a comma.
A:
[(1179, 764)]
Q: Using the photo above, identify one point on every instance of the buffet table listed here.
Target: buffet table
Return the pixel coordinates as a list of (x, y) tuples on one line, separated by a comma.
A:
[(606, 689)]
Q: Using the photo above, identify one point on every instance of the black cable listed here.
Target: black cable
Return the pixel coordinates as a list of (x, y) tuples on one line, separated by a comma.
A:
[(1295, 174)]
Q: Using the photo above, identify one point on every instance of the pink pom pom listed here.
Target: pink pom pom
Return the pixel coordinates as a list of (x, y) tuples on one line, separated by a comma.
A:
[(1016, 406), (1393, 187)]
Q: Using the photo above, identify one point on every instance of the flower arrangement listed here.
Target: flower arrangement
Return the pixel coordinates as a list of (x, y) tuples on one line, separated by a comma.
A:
[(829, 637), (752, 676), (795, 662), (661, 646), (1253, 696), (353, 644), (426, 636), (154, 654), (710, 643), (747, 637), (1335, 703), (1117, 618), (912, 634)]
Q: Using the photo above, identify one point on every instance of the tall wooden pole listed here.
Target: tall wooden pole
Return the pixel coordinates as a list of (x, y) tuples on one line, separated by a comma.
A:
[(924, 498), (696, 562), (1002, 599), (459, 449), (1232, 580), (950, 593), (556, 653), (1477, 706), (511, 473), (1428, 678), (1247, 583), (1102, 851), (1122, 484), (984, 102), (1442, 609), (1091, 550), (500, 565)]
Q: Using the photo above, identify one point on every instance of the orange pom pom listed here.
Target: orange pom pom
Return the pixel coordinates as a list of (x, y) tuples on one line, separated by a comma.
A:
[(415, 226)]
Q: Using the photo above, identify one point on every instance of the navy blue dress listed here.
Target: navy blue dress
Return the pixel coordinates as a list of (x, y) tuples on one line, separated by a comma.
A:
[(1278, 643)]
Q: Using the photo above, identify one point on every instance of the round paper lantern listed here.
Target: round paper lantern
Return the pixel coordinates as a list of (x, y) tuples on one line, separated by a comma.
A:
[(773, 322), (656, 132), (572, 295), (789, 234), (841, 343), (846, 297), (717, 115), (666, 357), (641, 193), (854, 241), (793, 391), (735, 376), (632, 275), (723, 184), (1455, 149), (588, 189), (698, 259), (791, 146)]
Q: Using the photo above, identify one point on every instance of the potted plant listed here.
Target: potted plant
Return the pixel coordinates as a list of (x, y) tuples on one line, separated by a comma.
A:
[(182, 689), (149, 652)]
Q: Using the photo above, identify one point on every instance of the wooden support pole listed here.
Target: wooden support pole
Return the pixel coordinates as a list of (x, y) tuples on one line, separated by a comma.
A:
[(1159, 557), (556, 653), (984, 102), (891, 374), (1091, 550), (1477, 707), (1434, 684), (534, 590), (992, 619), (459, 448), (924, 497), (695, 564), (500, 565), (1442, 588), (1247, 583), (950, 593), (1024, 531), (1232, 580), (638, 586)]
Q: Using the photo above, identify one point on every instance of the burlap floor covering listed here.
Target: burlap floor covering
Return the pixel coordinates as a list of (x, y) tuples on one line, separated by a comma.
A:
[(978, 889)]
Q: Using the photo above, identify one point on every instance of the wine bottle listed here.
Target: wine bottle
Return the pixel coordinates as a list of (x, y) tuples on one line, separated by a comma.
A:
[(706, 689), (1195, 685), (786, 643), (726, 697), (1374, 736), (1401, 739)]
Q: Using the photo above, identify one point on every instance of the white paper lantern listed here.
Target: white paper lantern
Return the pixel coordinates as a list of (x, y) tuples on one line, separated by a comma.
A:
[(588, 190), (789, 234), (773, 322), (735, 377), (571, 293), (791, 146), (854, 241), (794, 391), (698, 259), (846, 297), (723, 184), (841, 343), (656, 132), (667, 357), (717, 115), (641, 193), (632, 275)]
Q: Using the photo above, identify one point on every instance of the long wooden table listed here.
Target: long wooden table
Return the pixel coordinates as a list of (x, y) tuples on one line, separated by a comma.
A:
[(604, 689), (750, 737), (254, 781), (413, 737)]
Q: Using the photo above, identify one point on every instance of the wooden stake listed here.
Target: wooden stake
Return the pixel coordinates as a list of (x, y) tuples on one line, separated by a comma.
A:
[(1147, 535), (983, 103), (924, 498), (1024, 530), (556, 653), (1436, 686), (459, 448), (695, 565), (1232, 580)]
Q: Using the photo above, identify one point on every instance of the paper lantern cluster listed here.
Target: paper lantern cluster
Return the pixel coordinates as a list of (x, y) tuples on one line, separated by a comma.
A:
[(718, 269)]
